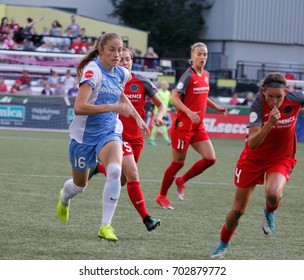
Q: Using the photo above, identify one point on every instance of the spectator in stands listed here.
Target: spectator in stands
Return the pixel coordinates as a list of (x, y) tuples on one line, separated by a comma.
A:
[(56, 29), (3, 86), (59, 89), (30, 23), (89, 43), (4, 26), (19, 37), (234, 99), (25, 79), (151, 59), (47, 91), (78, 47), (9, 41), (14, 25), (53, 79), (248, 100), (3, 46), (67, 80), (83, 35), (74, 26), (16, 88), (73, 91)]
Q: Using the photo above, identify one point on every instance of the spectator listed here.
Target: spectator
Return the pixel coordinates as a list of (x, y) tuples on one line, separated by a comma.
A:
[(25, 79), (83, 35), (9, 41), (53, 79), (16, 88), (19, 37), (73, 91), (13, 26), (59, 90), (151, 58), (67, 80), (3, 46), (56, 29), (74, 26), (234, 99), (78, 47), (4, 26), (47, 91), (3, 87), (248, 100)]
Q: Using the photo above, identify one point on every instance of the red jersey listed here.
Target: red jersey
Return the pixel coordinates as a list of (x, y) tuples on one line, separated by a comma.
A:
[(281, 141), (194, 91), (136, 90)]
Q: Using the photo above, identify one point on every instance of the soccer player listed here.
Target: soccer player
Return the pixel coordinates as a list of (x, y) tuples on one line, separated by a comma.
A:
[(269, 153), (136, 90), (96, 130), (190, 97)]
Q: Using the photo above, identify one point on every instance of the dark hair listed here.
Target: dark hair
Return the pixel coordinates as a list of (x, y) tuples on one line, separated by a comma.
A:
[(124, 49), (93, 53), (275, 80)]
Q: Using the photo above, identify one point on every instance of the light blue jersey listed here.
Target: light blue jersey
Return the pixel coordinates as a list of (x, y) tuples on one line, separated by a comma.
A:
[(107, 89)]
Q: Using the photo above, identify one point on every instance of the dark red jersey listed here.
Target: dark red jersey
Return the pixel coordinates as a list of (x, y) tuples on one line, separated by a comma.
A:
[(194, 91), (281, 141), (136, 90)]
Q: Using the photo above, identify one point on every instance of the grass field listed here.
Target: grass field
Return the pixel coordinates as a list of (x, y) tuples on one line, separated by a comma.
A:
[(34, 166)]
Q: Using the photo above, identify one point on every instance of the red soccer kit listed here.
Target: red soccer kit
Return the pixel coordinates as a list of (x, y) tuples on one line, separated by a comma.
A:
[(137, 89), (194, 91), (277, 151)]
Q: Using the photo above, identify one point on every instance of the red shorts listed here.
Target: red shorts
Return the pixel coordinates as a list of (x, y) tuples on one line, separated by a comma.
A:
[(250, 172), (182, 139), (132, 149)]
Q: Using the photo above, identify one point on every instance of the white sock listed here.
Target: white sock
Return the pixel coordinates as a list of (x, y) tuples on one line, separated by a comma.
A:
[(69, 191), (111, 193)]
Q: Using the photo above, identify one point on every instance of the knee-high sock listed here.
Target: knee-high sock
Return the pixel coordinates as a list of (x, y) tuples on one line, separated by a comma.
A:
[(197, 168), (111, 193), (226, 235), (137, 198), (169, 176), (69, 191)]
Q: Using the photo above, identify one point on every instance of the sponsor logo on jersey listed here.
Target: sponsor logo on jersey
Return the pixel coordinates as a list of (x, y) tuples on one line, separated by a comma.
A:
[(199, 90), (88, 74), (253, 117), (180, 85), (133, 96)]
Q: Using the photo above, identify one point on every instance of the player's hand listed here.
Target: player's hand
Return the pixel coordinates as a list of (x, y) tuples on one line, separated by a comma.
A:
[(274, 115), (123, 109), (157, 120), (194, 117)]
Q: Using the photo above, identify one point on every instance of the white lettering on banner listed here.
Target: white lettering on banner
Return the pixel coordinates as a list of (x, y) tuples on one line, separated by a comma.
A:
[(235, 128)]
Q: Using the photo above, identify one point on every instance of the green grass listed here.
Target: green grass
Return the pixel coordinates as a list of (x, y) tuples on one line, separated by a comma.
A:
[(34, 166)]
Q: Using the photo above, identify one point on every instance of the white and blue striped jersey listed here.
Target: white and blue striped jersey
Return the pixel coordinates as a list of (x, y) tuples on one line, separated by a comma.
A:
[(107, 89)]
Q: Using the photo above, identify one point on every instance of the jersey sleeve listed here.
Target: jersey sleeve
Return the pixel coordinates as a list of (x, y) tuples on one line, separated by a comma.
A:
[(91, 75), (255, 116), (150, 88), (183, 82), (296, 96)]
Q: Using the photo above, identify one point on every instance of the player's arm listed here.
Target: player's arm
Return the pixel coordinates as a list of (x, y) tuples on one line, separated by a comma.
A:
[(161, 110), (176, 101), (258, 134), (216, 107), (145, 131)]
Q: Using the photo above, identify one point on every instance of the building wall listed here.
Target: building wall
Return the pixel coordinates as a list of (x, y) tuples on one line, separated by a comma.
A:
[(256, 30)]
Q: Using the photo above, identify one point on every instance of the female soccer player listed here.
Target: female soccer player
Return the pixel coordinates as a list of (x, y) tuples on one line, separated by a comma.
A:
[(190, 97), (269, 152), (96, 129), (136, 90)]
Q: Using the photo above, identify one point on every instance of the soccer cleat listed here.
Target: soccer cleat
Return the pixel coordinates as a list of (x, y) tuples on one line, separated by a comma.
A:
[(163, 201), (220, 250), (93, 170), (153, 143), (107, 232), (62, 210), (169, 142), (180, 183), (268, 222), (151, 223)]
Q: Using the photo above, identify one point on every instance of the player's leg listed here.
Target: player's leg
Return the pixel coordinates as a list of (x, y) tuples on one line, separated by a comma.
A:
[(240, 204)]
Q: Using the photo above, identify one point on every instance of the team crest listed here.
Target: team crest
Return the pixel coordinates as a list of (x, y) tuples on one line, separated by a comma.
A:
[(89, 74), (253, 117), (288, 109), (180, 85), (134, 87), (206, 80)]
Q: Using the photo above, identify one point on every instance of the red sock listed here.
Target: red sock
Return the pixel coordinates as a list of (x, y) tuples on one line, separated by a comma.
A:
[(101, 169), (137, 198), (271, 209), (226, 235), (169, 176), (198, 168)]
